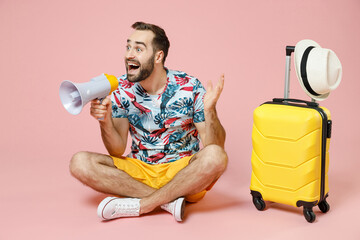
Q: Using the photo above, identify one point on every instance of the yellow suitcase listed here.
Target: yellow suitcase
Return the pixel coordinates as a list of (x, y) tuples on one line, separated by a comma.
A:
[(290, 156)]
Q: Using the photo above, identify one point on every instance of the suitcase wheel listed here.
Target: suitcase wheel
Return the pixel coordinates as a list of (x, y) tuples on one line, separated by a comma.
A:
[(259, 203), (324, 206), (309, 214)]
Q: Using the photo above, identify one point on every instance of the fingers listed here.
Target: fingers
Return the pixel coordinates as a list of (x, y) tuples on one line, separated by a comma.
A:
[(100, 109), (220, 84), (209, 86), (213, 94)]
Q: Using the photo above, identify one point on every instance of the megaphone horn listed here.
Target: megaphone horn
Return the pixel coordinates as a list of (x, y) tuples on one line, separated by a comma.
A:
[(74, 96)]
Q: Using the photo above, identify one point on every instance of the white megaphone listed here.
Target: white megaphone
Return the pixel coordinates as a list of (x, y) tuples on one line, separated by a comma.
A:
[(74, 96)]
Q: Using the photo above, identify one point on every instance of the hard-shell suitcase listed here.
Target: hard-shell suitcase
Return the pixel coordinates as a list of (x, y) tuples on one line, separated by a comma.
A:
[(290, 156)]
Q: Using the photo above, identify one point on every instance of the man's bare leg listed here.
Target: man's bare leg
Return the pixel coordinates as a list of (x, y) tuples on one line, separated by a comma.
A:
[(205, 168), (99, 172)]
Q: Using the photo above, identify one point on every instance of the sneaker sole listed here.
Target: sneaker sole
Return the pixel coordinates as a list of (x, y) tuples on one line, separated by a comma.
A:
[(102, 206), (180, 210)]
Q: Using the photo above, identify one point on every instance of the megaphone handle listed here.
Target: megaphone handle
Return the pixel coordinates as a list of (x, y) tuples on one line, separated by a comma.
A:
[(101, 100)]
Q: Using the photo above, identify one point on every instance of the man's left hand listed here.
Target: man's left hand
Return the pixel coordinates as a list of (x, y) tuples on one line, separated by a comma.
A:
[(213, 94)]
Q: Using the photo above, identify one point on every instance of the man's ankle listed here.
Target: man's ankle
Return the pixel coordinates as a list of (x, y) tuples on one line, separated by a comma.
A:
[(145, 206)]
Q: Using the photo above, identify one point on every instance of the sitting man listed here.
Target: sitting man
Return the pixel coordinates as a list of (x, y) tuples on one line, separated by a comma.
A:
[(166, 112)]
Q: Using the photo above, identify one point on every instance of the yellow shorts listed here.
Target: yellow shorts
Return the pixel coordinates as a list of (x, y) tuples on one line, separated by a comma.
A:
[(156, 175)]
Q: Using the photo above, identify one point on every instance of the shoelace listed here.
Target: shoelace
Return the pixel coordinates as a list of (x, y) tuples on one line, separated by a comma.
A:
[(125, 209)]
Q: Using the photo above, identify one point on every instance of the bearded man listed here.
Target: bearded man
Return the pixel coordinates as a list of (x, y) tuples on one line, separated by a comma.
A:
[(167, 112)]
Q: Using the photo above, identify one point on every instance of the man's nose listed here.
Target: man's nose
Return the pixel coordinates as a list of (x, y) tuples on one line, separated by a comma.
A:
[(130, 54)]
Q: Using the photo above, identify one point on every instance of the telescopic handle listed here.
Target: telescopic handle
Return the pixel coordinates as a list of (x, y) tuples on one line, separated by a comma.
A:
[(289, 50)]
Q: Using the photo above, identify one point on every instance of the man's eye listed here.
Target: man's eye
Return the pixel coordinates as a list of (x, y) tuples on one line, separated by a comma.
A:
[(138, 50), (127, 47)]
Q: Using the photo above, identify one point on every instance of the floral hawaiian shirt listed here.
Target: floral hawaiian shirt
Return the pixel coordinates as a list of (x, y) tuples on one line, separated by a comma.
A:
[(161, 126)]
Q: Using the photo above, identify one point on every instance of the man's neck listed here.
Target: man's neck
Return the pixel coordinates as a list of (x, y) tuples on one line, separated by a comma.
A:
[(156, 82)]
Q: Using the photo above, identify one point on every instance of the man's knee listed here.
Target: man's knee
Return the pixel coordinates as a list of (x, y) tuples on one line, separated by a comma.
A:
[(79, 164), (215, 158)]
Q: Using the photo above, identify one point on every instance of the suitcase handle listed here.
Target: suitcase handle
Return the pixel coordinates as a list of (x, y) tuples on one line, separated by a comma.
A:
[(289, 50), (281, 100)]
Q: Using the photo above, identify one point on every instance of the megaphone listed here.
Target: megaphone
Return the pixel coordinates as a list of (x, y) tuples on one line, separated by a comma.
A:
[(74, 96)]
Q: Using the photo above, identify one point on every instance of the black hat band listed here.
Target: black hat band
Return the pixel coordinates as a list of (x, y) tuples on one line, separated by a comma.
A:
[(303, 71)]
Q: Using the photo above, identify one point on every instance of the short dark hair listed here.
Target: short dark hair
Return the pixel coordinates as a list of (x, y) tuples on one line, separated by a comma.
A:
[(160, 41)]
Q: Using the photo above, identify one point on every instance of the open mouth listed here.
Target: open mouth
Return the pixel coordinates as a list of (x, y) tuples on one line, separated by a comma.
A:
[(133, 66)]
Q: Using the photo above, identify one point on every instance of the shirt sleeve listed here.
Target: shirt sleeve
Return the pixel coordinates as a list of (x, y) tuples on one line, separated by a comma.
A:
[(199, 93), (118, 103), (118, 110)]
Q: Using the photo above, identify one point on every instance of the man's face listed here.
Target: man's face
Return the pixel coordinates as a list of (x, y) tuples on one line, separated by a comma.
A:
[(140, 56)]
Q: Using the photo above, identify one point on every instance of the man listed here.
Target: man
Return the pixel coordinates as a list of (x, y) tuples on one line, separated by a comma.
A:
[(166, 111)]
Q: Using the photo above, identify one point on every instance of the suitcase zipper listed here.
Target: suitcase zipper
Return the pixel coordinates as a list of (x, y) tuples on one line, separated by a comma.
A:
[(326, 133)]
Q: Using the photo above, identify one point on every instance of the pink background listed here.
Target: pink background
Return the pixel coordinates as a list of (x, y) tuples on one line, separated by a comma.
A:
[(44, 42)]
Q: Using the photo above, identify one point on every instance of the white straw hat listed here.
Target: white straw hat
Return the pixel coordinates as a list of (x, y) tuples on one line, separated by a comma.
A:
[(318, 69)]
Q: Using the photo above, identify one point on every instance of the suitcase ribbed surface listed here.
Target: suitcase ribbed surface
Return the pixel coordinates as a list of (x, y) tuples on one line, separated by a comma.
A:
[(286, 156)]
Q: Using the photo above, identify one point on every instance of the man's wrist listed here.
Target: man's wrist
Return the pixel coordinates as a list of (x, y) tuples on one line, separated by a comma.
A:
[(210, 111)]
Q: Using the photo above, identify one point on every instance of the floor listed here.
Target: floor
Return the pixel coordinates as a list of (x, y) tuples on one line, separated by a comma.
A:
[(47, 203)]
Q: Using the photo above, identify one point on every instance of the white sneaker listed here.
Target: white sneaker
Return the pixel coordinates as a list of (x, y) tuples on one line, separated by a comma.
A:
[(113, 207), (176, 208)]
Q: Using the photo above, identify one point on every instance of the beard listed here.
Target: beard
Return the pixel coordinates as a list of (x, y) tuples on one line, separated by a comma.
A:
[(145, 70)]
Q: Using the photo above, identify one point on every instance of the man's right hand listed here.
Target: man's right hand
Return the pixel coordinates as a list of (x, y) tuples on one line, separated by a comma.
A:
[(101, 110)]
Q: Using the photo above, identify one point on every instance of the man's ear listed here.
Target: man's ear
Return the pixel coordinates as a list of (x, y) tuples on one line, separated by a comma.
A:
[(159, 56)]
